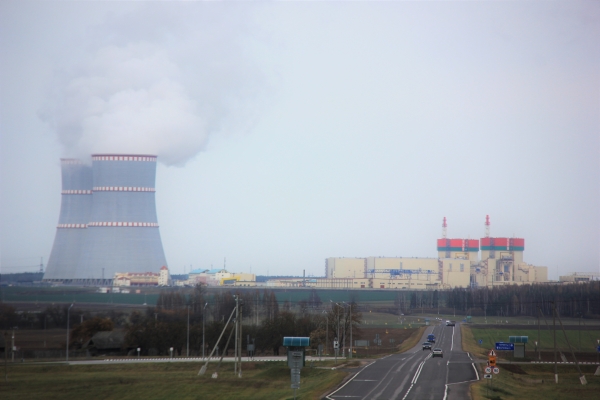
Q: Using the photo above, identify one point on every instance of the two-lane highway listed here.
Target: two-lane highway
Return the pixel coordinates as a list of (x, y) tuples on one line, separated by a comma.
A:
[(415, 374)]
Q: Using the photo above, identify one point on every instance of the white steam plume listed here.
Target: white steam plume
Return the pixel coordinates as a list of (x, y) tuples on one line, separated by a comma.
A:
[(162, 84)]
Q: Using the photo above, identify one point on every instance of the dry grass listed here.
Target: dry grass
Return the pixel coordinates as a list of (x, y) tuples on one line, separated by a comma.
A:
[(163, 381), (413, 340), (530, 381), (535, 382)]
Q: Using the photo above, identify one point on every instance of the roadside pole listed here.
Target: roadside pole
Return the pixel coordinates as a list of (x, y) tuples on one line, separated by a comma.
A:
[(554, 325), (237, 319), (203, 369), (581, 376), (5, 359), (240, 345), (539, 342)]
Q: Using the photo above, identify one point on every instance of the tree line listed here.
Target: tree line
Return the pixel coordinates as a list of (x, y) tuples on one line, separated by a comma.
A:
[(571, 300), (264, 324)]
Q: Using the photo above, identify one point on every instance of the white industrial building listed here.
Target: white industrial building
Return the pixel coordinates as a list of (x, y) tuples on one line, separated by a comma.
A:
[(458, 265)]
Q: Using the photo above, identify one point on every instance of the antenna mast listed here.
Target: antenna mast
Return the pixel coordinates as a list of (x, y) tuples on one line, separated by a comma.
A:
[(444, 226), (487, 226)]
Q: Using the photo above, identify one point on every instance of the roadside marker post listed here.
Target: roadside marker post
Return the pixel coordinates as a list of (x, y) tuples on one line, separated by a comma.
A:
[(492, 358), (492, 364)]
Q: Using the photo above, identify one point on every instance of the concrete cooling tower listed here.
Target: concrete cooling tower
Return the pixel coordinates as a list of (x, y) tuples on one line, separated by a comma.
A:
[(122, 233), (76, 203)]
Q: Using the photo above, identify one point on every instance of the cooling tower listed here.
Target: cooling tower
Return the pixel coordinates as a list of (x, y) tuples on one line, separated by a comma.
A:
[(76, 201), (122, 231)]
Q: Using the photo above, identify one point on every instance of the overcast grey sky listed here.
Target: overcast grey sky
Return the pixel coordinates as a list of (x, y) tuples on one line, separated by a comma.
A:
[(293, 132)]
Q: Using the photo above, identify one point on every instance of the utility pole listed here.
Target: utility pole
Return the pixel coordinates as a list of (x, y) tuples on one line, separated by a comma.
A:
[(539, 337), (203, 319), (579, 346), (350, 330), (327, 331), (12, 346), (240, 344), (237, 319), (554, 326), (68, 315), (188, 332), (5, 359), (581, 376)]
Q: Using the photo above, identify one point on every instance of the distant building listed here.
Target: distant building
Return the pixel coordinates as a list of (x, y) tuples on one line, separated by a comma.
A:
[(457, 266), (579, 277), (218, 277), (162, 278)]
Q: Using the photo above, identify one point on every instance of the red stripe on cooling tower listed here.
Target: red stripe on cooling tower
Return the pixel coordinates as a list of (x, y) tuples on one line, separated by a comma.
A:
[(76, 192), (125, 224), (123, 157), (123, 189), (71, 226)]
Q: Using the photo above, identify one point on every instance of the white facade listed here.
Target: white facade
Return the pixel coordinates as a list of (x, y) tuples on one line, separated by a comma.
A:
[(164, 278)]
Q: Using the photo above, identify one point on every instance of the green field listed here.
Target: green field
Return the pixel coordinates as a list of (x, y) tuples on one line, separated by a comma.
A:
[(375, 319), (163, 381), (536, 382), (580, 340), (66, 294)]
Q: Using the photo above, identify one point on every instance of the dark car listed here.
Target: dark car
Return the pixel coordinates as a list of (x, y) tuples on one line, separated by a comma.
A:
[(426, 346), (437, 353)]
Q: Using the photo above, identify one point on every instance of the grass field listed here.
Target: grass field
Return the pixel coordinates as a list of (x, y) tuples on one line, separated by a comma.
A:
[(536, 382), (180, 380), (583, 342), (376, 319), (163, 381), (528, 381)]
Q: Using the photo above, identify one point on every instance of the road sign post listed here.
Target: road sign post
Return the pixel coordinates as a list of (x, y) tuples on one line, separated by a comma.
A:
[(492, 358), (296, 352), (502, 346), (336, 347)]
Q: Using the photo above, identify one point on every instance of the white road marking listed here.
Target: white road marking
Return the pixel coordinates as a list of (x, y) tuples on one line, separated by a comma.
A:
[(349, 380), (476, 373), (414, 381)]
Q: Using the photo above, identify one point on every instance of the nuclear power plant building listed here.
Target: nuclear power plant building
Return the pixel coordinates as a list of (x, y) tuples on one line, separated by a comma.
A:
[(458, 265), (117, 232)]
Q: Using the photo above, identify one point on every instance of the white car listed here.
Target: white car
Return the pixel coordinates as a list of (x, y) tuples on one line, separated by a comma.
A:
[(437, 352)]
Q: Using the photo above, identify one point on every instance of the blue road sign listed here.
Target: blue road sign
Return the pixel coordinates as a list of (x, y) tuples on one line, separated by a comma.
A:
[(480, 341), (598, 349), (505, 346)]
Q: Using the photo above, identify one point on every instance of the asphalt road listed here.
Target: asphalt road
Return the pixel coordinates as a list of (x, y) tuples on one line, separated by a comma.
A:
[(414, 374)]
